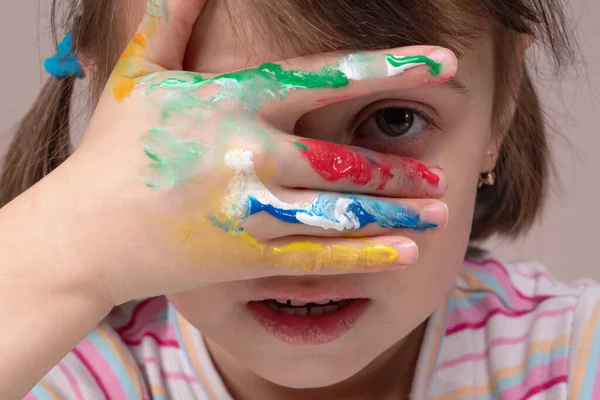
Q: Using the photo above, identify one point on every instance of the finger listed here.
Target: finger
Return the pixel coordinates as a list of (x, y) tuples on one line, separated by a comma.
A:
[(159, 44), (247, 195), (268, 216), (322, 256), (336, 77), (315, 164)]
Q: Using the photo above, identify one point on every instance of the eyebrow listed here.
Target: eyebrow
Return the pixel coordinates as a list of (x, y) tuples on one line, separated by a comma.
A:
[(460, 87)]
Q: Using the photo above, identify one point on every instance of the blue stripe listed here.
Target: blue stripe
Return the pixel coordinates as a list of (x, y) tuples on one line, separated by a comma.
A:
[(536, 359), (129, 387), (591, 369), (40, 393), (496, 287), (471, 300)]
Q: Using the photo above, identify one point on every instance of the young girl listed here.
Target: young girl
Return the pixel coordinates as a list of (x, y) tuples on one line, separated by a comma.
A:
[(264, 229)]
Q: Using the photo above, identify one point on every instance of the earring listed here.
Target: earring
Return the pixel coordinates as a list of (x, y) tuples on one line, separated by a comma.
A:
[(488, 178)]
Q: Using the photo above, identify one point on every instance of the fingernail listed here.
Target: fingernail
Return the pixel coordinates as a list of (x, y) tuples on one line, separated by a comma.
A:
[(408, 252), (436, 213), (446, 59)]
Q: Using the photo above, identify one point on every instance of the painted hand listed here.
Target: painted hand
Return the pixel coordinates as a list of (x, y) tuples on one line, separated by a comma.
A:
[(205, 184)]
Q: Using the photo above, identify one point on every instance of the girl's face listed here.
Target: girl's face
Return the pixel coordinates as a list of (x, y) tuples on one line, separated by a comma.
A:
[(448, 125)]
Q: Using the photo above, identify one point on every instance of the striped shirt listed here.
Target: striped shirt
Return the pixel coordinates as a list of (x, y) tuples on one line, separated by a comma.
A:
[(506, 332)]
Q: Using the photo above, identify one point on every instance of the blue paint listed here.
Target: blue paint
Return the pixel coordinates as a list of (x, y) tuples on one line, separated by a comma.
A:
[(227, 226), (65, 62), (357, 212)]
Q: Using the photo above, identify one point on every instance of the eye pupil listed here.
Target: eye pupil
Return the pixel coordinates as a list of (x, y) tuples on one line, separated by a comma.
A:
[(395, 121)]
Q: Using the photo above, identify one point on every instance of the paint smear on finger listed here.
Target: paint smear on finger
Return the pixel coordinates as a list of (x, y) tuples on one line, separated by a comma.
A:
[(131, 64), (247, 196), (335, 162), (301, 256)]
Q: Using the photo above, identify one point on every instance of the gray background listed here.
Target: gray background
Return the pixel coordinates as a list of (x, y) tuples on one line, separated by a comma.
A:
[(566, 239)]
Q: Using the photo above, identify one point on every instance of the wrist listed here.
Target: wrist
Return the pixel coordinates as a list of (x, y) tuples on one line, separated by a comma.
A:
[(41, 248)]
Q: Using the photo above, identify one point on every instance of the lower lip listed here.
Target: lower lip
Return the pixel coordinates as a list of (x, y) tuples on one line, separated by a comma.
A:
[(308, 330)]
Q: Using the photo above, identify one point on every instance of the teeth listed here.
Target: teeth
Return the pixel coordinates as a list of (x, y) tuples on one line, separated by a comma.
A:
[(298, 303), (282, 301), (322, 303), (330, 309), (317, 311), (287, 311), (302, 311)]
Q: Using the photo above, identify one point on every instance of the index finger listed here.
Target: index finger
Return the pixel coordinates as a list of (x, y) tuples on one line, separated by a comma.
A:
[(335, 77), (159, 44)]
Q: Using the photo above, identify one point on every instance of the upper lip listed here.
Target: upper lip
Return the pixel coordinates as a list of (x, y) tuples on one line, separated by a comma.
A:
[(307, 292)]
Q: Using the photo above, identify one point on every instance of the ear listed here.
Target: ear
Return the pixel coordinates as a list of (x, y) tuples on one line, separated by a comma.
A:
[(505, 114)]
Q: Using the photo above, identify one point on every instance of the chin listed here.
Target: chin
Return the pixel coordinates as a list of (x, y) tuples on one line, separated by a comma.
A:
[(310, 372)]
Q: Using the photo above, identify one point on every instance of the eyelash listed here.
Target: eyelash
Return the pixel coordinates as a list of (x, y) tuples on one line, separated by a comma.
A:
[(371, 110)]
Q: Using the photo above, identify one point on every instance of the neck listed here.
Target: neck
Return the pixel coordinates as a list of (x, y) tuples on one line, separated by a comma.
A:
[(389, 376)]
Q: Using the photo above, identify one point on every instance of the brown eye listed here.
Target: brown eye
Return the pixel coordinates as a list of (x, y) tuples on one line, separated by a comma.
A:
[(395, 121)]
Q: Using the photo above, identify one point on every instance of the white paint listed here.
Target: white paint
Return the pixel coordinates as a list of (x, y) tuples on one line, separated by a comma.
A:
[(246, 183), (355, 69), (393, 71)]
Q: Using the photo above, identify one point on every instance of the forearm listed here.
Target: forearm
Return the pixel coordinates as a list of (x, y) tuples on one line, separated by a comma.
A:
[(44, 307)]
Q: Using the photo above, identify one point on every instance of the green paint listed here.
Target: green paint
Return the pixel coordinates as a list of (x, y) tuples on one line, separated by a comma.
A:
[(173, 160), (301, 146), (157, 9), (191, 97), (397, 62), (248, 87)]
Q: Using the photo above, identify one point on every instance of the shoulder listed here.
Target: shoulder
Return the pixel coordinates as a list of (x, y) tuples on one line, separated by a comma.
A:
[(110, 362), (519, 332)]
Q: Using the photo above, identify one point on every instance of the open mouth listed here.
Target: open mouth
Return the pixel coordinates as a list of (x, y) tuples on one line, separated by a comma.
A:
[(309, 323), (301, 309)]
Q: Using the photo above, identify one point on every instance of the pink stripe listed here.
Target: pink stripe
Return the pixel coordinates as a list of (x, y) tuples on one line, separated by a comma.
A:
[(539, 379), (596, 391), (503, 277), (160, 329), (161, 342), (72, 381), (544, 386), (168, 375), (89, 368), (501, 341), (30, 396), (542, 274), (146, 311), (535, 276), (501, 311), (101, 370), (474, 312)]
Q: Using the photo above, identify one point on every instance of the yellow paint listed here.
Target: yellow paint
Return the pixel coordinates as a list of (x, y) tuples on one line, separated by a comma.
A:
[(131, 64), (128, 68), (200, 239), (310, 256)]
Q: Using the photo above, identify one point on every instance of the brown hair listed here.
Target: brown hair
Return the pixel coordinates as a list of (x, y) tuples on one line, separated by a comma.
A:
[(42, 141)]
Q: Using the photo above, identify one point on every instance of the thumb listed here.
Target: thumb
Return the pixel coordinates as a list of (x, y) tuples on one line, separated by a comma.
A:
[(159, 44)]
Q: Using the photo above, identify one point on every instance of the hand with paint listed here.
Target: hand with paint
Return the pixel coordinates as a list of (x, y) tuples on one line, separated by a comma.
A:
[(190, 179)]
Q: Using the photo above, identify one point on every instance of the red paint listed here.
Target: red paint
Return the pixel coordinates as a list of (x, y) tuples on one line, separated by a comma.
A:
[(308, 330), (335, 162), (432, 178)]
